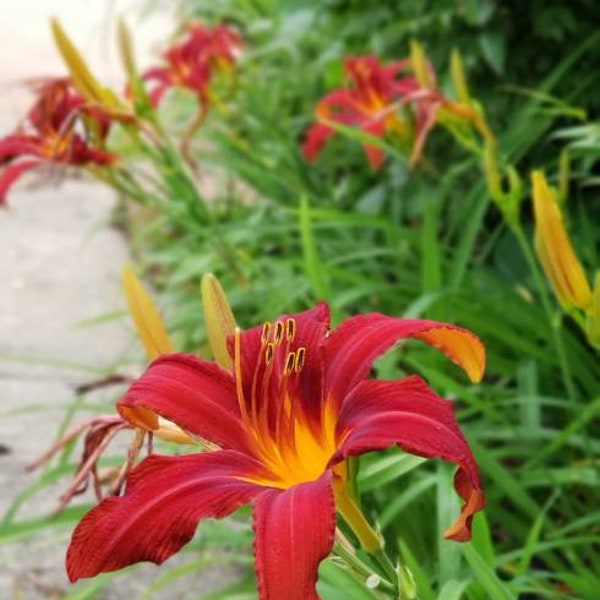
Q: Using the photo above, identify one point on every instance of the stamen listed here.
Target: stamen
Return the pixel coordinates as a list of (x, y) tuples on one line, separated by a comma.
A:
[(290, 326), (300, 359), (278, 335), (266, 332), (289, 363), (269, 353)]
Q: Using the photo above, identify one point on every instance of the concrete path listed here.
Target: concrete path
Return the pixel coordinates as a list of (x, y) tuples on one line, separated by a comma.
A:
[(60, 266)]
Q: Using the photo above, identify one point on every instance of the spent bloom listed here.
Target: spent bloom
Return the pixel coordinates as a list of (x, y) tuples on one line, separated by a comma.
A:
[(400, 99), (58, 129), (191, 63), (98, 432), (284, 407)]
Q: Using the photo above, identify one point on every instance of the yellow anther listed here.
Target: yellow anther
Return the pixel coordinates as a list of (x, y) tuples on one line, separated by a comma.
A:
[(290, 361), (300, 359), (266, 331), (269, 353), (278, 335), (290, 329)]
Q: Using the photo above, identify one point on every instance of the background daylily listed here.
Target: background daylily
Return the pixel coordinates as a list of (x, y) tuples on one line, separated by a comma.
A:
[(401, 98), (51, 134), (295, 405), (190, 64), (367, 102)]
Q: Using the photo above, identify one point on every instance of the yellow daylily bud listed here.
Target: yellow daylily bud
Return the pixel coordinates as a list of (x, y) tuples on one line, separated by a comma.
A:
[(459, 81), (126, 50), (147, 319), (419, 64), (220, 322), (83, 79), (555, 251)]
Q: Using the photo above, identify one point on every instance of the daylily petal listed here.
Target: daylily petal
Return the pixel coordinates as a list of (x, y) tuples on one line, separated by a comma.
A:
[(166, 497), (407, 413), (351, 348), (316, 138), (16, 145), (11, 173), (294, 531), (374, 154), (196, 395)]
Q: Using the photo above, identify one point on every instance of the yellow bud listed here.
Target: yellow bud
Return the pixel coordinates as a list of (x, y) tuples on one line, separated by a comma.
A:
[(148, 322), (220, 322), (459, 81), (83, 79), (126, 50), (555, 251), (419, 64)]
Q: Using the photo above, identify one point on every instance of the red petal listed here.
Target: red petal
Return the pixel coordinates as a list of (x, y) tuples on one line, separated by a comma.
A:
[(165, 499), (374, 154), (351, 348), (316, 138), (11, 173), (194, 394), (17, 144), (379, 414), (294, 532)]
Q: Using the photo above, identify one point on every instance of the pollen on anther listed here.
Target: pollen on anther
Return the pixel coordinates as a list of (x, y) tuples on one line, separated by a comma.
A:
[(269, 352), (290, 329), (290, 361), (266, 331), (278, 335), (300, 358)]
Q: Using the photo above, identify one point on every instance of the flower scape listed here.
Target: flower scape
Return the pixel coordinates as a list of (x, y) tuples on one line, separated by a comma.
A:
[(282, 410)]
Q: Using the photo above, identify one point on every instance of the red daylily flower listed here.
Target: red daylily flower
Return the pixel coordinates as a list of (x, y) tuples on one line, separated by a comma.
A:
[(190, 63), (50, 135), (372, 102), (368, 103), (296, 405)]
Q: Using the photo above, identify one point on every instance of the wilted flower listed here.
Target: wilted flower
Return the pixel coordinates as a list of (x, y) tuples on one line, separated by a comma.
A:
[(55, 131), (295, 404)]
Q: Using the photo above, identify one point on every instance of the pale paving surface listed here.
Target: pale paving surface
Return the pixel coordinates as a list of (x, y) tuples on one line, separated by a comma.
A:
[(60, 265)]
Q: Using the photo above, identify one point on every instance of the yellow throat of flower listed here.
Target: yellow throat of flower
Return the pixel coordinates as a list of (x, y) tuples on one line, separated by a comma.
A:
[(292, 448)]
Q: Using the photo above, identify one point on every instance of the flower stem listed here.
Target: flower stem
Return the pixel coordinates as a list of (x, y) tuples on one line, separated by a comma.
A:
[(370, 540)]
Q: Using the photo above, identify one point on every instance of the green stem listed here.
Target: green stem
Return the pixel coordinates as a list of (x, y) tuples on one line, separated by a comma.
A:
[(360, 568)]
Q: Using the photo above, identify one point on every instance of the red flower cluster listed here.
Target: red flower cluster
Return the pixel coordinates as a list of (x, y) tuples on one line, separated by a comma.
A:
[(55, 131), (382, 99), (190, 64), (295, 405)]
